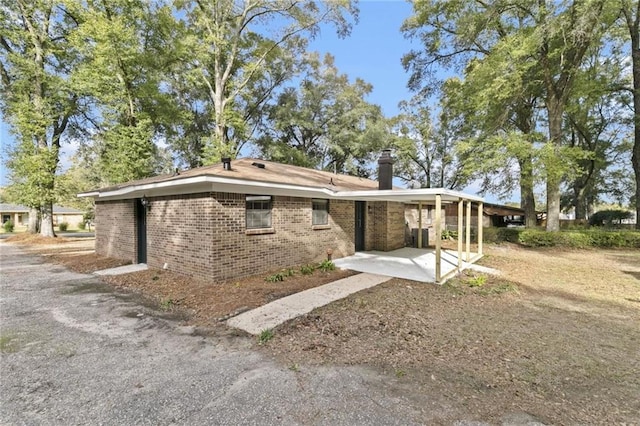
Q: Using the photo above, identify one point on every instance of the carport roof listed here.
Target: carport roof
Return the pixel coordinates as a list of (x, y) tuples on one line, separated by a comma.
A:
[(260, 177)]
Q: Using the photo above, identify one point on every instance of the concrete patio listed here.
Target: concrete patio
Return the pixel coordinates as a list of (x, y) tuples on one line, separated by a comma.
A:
[(408, 263)]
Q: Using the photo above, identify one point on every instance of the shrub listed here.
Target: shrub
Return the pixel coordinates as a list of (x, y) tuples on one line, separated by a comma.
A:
[(609, 217), (82, 225), (63, 226), (275, 278), (307, 269), (8, 226), (326, 265)]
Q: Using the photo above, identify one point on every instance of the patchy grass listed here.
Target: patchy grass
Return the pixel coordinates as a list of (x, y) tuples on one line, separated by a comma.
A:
[(556, 336)]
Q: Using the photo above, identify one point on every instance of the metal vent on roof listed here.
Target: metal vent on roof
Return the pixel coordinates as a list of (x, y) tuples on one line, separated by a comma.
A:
[(258, 165)]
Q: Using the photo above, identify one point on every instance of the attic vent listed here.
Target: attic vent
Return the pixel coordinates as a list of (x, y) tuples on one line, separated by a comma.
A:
[(258, 165)]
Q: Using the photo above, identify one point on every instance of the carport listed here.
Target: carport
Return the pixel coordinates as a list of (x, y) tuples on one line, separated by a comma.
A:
[(434, 264)]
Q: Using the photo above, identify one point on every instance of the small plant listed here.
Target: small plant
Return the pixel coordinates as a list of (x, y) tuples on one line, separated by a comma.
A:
[(400, 373), (155, 278), (326, 266), (289, 272), (167, 304), (275, 278), (307, 269), (294, 367), (82, 225), (63, 226), (477, 281), (265, 336), (8, 226)]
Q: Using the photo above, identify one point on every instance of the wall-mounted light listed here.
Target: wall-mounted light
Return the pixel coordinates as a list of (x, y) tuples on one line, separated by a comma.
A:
[(144, 201)]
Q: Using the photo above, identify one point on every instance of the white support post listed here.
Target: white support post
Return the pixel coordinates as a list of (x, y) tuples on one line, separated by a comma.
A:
[(480, 230), (468, 234), (420, 225), (438, 236), (460, 232)]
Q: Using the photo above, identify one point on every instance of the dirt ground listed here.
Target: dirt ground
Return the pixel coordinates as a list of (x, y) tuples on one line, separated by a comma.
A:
[(557, 335)]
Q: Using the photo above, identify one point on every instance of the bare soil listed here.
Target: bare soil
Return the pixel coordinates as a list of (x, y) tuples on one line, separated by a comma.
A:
[(556, 336)]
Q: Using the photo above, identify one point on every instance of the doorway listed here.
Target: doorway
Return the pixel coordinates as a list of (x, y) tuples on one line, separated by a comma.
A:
[(360, 208), (141, 226)]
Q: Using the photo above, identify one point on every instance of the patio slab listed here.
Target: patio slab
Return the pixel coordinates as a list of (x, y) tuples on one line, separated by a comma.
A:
[(126, 269), (275, 313), (408, 263)]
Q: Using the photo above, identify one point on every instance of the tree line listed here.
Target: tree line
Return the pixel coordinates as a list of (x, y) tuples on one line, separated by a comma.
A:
[(545, 92)]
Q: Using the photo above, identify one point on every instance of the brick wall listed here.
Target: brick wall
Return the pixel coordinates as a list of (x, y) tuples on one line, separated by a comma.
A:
[(115, 229), (204, 235)]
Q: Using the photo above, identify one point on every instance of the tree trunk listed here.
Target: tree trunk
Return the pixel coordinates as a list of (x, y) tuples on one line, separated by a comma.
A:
[(555, 112), (527, 198), (634, 25), (47, 221), (579, 202), (33, 221)]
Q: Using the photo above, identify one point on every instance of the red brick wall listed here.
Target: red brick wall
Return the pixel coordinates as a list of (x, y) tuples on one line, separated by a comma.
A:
[(115, 229)]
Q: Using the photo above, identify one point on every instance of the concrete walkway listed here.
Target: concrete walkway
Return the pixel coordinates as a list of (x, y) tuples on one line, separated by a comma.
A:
[(126, 269), (275, 313)]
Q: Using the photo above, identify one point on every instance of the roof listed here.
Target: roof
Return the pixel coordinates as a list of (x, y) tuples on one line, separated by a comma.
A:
[(17, 208), (260, 177)]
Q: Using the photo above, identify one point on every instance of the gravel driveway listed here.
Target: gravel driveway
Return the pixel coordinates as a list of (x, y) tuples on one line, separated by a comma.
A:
[(75, 352)]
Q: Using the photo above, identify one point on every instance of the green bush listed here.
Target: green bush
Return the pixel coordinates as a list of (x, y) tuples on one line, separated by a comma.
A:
[(8, 226), (535, 238), (609, 218), (82, 225), (63, 226), (575, 238), (307, 269)]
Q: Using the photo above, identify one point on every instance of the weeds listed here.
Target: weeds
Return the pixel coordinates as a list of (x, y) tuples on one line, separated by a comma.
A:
[(326, 266), (265, 336), (477, 281), (275, 278), (307, 269), (167, 304)]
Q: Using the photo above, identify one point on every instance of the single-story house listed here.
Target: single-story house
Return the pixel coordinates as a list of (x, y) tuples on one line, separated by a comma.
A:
[(19, 214), (249, 216)]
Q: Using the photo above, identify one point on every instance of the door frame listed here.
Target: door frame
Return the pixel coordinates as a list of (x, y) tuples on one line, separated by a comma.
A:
[(141, 231), (359, 225)]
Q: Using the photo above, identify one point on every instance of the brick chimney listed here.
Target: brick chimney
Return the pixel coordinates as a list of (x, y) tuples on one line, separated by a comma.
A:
[(385, 170)]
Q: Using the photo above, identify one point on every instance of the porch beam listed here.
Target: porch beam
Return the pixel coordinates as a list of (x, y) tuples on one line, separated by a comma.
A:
[(438, 237), (460, 232), (468, 233), (480, 230), (420, 225)]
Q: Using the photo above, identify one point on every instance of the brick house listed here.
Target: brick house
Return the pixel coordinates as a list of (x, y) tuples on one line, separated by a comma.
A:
[(250, 216)]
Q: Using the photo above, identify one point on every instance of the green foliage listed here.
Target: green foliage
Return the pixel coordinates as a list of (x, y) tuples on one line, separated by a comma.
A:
[(477, 281), (289, 272), (63, 226), (609, 218), (275, 278), (82, 225), (8, 226), (580, 239), (307, 269), (326, 266), (167, 304), (265, 336)]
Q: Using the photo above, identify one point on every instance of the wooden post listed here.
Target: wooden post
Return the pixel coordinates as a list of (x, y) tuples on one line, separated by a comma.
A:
[(460, 232), (420, 225), (468, 234), (480, 231), (438, 236)]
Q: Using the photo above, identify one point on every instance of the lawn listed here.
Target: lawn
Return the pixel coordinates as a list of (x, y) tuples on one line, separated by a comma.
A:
[(556, 336)]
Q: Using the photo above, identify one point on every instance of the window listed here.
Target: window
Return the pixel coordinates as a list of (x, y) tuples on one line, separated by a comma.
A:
[(320, 212), (258, 212)]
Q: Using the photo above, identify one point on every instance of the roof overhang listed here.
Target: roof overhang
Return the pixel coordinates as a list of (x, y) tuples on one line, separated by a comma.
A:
[(201, 184)]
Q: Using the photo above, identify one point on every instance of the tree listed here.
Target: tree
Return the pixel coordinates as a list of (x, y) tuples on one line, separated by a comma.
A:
[(548, 37), (230, 48), (426, 153), (325, 122), (36, 62), (631, 17), (127, 47)]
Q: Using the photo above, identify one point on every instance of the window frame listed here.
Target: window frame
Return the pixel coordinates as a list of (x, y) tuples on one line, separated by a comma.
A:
[(256, 205), (319, 202)]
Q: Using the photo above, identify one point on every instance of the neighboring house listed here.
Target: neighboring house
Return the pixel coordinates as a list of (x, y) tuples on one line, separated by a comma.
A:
[(19, 215), (251, 216)]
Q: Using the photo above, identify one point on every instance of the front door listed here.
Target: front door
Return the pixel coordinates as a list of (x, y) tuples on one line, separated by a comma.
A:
[(359, 225), (141, 225)]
